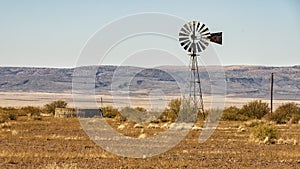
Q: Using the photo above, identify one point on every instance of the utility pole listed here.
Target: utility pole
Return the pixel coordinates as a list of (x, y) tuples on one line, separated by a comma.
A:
[(271, 92)]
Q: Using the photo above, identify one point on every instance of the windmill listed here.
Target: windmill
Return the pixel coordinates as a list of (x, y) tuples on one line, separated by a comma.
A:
[(195, 37)]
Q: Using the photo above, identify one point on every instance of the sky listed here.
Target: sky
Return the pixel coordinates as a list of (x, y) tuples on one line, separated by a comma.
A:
[(36, 33)]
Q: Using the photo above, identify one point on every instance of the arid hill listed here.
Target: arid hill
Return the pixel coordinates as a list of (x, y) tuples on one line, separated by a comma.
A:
[(241, 81)]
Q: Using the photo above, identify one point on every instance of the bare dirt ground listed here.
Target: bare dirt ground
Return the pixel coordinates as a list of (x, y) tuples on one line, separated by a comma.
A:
[(62, 143)]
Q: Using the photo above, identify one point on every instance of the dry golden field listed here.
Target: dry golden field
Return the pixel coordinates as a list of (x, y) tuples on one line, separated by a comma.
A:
[(62, 143)]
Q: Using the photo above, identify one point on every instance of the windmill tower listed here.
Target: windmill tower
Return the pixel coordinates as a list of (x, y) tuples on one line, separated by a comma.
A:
[(195, 37)]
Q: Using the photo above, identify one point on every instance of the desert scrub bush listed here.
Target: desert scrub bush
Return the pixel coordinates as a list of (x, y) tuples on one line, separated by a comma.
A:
[(132, 114), (262, 131), (189, 112), (50, 108), (30, 111), (255, 109), (10, 110), (288, 112), (140, 109), (233, 113), (12, 115), (171, 111), (138, 114), (7, 116), (214, 114), (110, 112), (182, 110), (8, 113)]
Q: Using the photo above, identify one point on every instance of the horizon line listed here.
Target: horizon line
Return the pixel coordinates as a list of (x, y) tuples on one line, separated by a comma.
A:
[(225, 65)]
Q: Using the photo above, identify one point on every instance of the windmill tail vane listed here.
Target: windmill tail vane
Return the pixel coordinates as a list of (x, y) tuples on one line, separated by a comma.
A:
[(216, 38)]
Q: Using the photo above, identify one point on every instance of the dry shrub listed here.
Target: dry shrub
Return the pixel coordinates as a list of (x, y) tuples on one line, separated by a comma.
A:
[(255, 109), (261, 131), (12, 116), (30, 111), (171, 112), (8, 113), (140, 114), (50, 108), (214, 115), (189, 112), (233, 113), (110, 112), (288, 112), (133, 114), (180, 110), (140, 109), (252, 110)]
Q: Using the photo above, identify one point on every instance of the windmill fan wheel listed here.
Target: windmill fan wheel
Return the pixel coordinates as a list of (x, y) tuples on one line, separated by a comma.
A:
[(194, 37)]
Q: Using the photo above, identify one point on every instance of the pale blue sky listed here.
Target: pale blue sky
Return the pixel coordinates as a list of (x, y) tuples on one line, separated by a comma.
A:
[(52, 33)]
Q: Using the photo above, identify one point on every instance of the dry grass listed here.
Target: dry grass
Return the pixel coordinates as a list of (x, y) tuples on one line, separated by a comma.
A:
[(61, 143)]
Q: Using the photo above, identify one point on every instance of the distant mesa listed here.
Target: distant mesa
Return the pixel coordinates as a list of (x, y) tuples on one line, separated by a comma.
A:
[(242, 81)]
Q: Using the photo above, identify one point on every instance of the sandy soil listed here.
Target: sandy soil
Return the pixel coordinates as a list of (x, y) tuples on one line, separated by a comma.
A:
[(62, 143)]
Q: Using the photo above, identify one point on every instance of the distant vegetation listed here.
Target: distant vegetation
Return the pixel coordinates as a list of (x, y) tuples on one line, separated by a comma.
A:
[(252, 110), (30, 111), (171, 112), (8, 113), (110, 112), (255, 109), (233, 113), (285, 113), (12, 113), (264, 133), (50, 108)]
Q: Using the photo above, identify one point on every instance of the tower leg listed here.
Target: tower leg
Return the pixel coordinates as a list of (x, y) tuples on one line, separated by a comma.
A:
[(195, 85), (200, 91)]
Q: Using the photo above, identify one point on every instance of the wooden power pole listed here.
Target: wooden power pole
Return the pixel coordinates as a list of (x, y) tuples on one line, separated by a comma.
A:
[(271, 92)]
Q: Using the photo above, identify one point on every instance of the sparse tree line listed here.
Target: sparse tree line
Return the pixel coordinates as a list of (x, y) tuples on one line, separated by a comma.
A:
[(11, 113), (285, 113)]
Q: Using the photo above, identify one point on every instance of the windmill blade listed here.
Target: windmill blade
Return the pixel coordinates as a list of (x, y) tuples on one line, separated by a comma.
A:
[(198, 26), (204, 42), (198, 47), (186, 45), (183, 43), (216, 38), (201, 28), (183, 39), (202, 45), (205, 34), (190, 47), (187, 28)]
